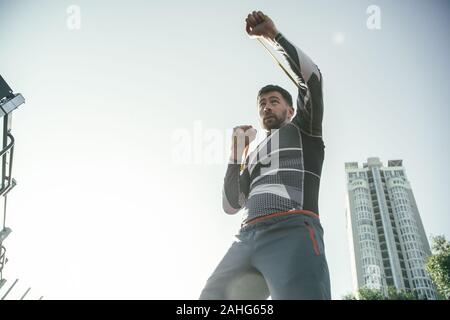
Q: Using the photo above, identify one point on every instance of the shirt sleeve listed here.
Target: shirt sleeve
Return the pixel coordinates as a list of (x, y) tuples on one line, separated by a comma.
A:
[(235, 189), (309, 80)]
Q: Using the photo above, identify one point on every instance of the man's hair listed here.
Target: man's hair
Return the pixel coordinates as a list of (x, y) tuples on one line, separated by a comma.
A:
[(286, 95)]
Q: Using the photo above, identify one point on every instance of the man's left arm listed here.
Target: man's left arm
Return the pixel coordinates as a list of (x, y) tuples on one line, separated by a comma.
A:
[(307, 75), (309, 79)]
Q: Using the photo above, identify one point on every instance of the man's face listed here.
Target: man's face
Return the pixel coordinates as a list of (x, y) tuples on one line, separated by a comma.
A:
[(273, 110)]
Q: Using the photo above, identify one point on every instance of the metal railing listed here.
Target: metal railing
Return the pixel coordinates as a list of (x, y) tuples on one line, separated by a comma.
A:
[(10, 182), (7, 183)]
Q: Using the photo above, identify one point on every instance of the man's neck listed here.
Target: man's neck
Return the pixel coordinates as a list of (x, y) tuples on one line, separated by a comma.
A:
[(269, 131)]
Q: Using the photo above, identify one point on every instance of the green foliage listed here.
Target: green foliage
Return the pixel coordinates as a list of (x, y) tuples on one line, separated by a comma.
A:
[(394, 294), (349, 296), (438, 266), (373, 294), (370, 294)]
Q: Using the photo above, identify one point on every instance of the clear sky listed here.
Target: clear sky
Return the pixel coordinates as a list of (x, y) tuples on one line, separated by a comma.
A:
[(103, 210)]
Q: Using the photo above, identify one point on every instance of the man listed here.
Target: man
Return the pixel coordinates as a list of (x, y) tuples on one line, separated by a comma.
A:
[(279, 249)]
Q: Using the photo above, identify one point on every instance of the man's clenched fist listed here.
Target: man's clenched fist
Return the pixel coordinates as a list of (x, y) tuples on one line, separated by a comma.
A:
[(244, 132), (242, 137), (258, 25)]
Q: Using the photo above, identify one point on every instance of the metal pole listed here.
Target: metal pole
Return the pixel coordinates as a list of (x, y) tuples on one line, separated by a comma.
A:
[(26, 292), (10, 288)]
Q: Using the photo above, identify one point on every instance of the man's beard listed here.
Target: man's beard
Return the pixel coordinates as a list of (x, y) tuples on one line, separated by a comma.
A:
[(273, 121)]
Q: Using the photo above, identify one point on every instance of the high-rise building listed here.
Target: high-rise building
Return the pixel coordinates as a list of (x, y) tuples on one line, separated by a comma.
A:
[(388, 245)]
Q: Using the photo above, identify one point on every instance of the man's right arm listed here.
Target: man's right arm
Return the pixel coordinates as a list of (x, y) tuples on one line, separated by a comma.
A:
[(233, 195), (236, 183)]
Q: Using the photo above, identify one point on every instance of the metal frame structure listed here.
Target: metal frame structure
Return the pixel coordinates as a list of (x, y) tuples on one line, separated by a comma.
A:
[(8, 103)]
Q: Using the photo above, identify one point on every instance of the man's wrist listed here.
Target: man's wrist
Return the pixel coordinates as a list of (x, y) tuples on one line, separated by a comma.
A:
[(272, 34), (236, 154)]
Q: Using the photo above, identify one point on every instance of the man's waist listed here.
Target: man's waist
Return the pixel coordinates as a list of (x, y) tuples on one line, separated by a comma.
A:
[(269, 216)]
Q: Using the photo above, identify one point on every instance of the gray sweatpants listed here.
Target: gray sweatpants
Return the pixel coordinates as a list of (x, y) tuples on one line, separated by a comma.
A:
[(283, 257)]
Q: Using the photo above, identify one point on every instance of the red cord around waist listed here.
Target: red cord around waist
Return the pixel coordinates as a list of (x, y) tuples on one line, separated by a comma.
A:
[(278, 214)]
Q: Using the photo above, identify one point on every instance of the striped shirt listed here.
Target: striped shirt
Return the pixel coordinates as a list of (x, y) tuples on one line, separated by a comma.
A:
[(283, 172)]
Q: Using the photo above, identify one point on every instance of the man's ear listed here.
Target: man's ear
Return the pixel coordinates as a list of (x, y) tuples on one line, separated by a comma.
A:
[(291, 112)]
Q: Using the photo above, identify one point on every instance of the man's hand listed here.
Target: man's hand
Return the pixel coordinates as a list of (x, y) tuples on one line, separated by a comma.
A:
[(242, 137), (258, 25)]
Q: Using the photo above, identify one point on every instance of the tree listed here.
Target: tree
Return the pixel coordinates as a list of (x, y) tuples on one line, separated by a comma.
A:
[(349, 296), (394, 294), (374, 294), (370, 294), (365, 294), (438, 266)]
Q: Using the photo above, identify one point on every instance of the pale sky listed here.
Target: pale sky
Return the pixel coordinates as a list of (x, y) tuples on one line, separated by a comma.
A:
[(102, 210)]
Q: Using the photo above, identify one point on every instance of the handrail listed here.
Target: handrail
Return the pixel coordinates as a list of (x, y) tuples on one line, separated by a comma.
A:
[(2, 257), (9, 147)]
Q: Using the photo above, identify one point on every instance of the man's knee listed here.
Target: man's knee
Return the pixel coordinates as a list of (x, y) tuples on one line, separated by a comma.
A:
[(249, 285), (211, 293)]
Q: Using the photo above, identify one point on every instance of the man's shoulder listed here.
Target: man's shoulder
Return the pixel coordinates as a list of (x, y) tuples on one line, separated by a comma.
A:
[(316, 139), (304, 133)]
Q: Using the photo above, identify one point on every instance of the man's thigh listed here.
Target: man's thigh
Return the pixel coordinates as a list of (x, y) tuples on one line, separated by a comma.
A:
[(235, 277), (291, 257)]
